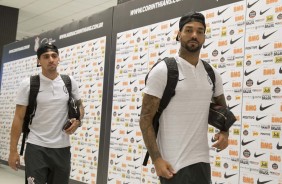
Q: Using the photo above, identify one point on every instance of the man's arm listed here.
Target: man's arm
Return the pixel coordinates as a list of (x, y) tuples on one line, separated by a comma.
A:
[(150, 106), (81, 109), (16, 130), (220, 100), (75, 123)]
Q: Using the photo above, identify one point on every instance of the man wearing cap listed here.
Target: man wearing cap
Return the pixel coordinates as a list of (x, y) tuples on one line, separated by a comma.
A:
[(47, 153), (180, 153)]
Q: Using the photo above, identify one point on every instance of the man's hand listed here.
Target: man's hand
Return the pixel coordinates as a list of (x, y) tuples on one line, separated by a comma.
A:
[(14, 161), (163, 168), (222, 140), (74, 125)]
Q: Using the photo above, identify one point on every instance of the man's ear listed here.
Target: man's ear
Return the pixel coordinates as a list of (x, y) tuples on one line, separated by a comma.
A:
[(178, 35), (38, 63)]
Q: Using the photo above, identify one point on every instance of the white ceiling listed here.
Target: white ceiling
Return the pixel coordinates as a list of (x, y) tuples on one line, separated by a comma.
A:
[(38, 16)]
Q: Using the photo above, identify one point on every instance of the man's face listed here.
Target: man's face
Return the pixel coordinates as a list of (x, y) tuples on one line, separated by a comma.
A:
[(49, 61), (192, 36)]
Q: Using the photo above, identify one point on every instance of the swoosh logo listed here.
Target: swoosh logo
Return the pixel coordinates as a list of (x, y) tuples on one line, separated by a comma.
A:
[(172, 24), (205, 46), (250, 5), (135, 33), (118, 156), (263, 182), (117, 83), (142, 56), (121, 107), (152, 29), (135, 159), (124, 42), (248, 73), (231, 107), (160, 53), (124, 59), (258, 155), (97, 106), (261, 47), (119, 114), (225, 83), (234, 41), (128, 132), (278, 146), (138, 140), (268, 35), (245, 143), (260, 118), (260, 82), (143, 63), (138, 107), (225, 20), (261, 108), (220, 12), (131, 82), (119, 36), (228, 176), (222, 72), (223, 52), (145, 38), (168, 33), (263, 12)]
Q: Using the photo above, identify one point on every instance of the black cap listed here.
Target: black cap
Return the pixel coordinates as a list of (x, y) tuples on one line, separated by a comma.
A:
[(191, 17), (45, 47)]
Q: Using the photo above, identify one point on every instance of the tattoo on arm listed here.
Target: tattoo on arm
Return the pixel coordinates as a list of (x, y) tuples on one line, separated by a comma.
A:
[(149, 108)]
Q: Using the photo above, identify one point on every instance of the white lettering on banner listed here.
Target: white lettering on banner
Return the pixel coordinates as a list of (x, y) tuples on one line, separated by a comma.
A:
[(150, 7), (82, 30), (19, 49)]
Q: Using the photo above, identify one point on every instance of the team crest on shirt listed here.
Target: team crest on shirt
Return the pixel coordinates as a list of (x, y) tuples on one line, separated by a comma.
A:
[(30, 180)]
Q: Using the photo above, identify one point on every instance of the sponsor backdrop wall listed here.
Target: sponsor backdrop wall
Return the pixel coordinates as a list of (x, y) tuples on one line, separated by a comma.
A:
[(110, 53)]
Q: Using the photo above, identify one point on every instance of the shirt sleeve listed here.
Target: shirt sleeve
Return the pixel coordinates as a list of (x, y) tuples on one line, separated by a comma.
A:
[(23, 93), (74, 90), (218, 84), (156, 81)]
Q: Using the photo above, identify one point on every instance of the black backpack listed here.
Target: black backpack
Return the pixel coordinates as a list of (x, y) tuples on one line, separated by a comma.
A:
[(31, 108), (169, 91)]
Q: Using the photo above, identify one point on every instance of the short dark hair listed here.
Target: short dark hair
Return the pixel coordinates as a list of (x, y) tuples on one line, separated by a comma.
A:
[(45, 47), (191, 17)]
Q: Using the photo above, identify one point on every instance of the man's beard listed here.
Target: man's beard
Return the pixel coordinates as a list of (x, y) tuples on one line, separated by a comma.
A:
[(191, 48)]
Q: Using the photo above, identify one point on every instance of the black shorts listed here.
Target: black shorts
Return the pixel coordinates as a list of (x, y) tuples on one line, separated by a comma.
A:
[(47, 165), (199, 173)]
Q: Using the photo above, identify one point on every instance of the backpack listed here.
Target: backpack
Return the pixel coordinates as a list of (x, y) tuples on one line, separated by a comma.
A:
[(169, 91), (31, 108)]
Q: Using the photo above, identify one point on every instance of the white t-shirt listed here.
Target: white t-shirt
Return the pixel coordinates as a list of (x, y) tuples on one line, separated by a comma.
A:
[(51, 112), (182, 137)]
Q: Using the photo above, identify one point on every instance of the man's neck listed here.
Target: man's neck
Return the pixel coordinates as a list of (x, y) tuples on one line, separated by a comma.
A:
[(191, 57), (50, 75)]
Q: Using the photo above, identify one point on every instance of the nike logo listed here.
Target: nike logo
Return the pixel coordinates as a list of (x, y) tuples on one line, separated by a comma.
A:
[(258, 119), (168, 33), (263, 182), (118, 156), (228, 176), (135, 33), (116, 83), (245, 143), (218, 150), (128, 132), (97, 106), (260, 82), (121, 107), (119, 36), (220, 12), (172, 24), (142, 56), (121, 90), (160, 53), (224, 83), (181, 79), (124, 43), (261, 47), (152, 29), (138, 140), (135, 159), (225, 20), (250, 5), (234, 41), (136, 167), (110, 179), (213, 139), (248, 73), (80, 86), (205, 46), (122, 66), (261, 108), (278, 146), (116, 163), (100, 62), (263, 12), (222, 72), (266, 36), (145, 38), (120, 114), (143, 63), (258, 155), (223, 52), (141, 89), (131, 82), (124, 59), (231, 107), (138, 107)]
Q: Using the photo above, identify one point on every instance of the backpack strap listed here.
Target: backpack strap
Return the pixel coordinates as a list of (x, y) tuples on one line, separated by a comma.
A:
[(67, 82), (169, 92), (210, 73), (31, 108)]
